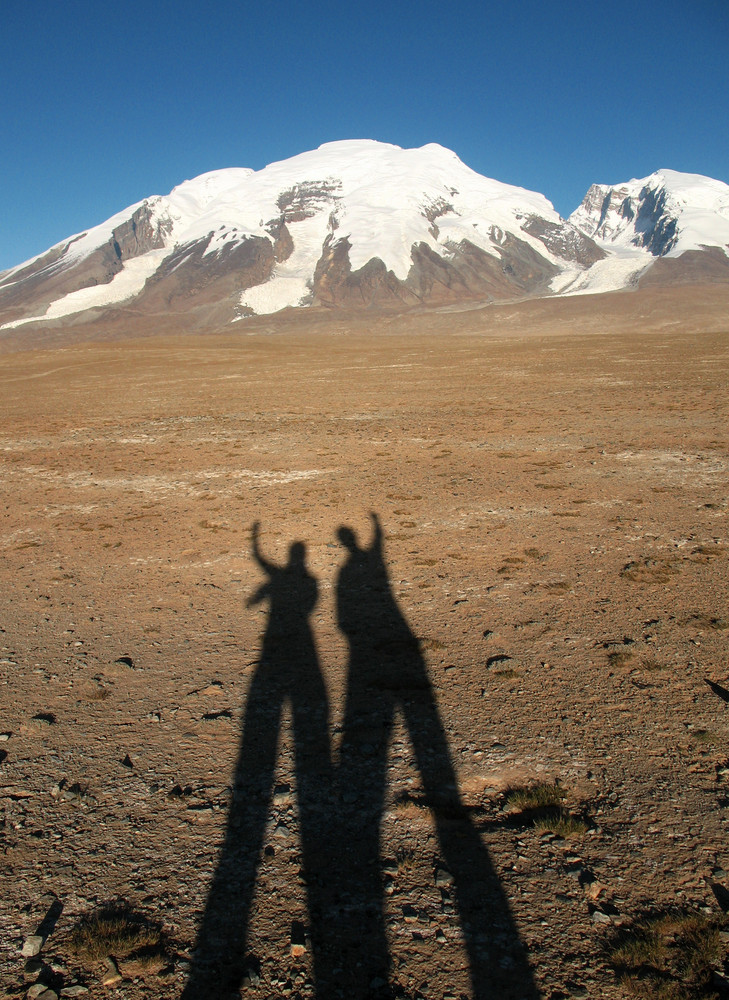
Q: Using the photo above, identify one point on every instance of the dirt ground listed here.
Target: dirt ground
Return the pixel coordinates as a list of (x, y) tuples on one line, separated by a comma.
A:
[(551, 484)]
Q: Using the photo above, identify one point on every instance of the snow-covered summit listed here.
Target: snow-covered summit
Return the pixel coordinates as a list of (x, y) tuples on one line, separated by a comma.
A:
[(358, 223), (667, 213)]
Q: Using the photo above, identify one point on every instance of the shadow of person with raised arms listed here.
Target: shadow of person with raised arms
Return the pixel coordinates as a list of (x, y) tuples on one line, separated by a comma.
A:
[(387, 673), (288, 671)]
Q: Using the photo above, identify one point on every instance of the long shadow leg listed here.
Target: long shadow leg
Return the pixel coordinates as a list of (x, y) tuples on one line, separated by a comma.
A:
[(220, 959), (317, 818), (499, 967), (363, 775)]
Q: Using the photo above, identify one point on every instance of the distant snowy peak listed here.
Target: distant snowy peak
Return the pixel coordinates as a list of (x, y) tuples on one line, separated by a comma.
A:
[(667, 213)]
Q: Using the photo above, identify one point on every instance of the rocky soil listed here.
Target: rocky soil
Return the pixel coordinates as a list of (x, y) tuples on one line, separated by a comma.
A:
[(551, 482)]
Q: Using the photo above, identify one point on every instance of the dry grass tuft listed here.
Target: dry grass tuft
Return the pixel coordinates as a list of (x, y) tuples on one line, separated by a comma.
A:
[(542, 804), (648, 570), (406, 861), (116, 930), (539, 796), (670, 956), (621, 657), (94, 692), (561, 823)]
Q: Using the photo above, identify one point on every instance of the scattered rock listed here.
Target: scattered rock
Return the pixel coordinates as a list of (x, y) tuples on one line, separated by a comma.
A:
[(282, 795), (443, 877), (32, 946), (212, 690), (112, 976), (46, 718), (298, 939), (36, 990)]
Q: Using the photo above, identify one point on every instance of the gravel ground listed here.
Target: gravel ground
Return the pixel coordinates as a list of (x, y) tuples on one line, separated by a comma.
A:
[(296, 763)]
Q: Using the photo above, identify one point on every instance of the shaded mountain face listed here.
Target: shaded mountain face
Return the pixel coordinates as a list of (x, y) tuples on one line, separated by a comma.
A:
[(358, 224), (667, 214)]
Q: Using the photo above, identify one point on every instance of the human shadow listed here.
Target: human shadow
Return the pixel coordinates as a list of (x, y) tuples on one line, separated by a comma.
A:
[(341, 806), (287, 672), (387, 674)]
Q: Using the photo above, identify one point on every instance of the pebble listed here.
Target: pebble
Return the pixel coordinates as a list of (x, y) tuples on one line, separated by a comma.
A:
[(32, 946), (74, 991), (112, 975), (282, 795), (36, 990), (442, 877)]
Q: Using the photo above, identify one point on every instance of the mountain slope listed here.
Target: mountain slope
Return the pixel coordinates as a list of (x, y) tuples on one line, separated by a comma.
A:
[(358, 223), (667, 213), (355, 223)]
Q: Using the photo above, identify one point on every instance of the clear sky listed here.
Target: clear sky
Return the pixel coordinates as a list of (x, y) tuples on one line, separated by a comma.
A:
[(106, 104)]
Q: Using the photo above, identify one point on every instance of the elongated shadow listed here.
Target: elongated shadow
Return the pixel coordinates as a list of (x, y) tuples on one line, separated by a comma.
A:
[(387, 674), (288, 671), (341, 808)]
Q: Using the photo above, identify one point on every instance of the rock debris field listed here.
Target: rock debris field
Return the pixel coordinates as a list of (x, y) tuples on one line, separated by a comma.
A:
[(288, 770)]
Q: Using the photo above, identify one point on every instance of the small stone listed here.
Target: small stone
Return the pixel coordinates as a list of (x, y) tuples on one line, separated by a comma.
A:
[(46, 718), (36, 990), (298, 939), (32, 946), (112, 975), (74, 991), (443, 878), (212, 690), (281, 795), (4, 737), (598, 917)]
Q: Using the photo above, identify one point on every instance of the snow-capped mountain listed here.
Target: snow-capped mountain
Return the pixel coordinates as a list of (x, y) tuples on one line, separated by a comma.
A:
[(358, 223), (667, 213)]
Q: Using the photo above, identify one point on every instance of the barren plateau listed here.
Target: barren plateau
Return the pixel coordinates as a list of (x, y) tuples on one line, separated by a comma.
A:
[(547, 603)]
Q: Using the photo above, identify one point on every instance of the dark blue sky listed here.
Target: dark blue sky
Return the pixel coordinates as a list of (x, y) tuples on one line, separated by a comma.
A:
[(104, 105)]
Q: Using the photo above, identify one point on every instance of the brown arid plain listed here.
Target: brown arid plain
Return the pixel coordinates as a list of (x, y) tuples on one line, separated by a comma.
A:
[(551, 482)]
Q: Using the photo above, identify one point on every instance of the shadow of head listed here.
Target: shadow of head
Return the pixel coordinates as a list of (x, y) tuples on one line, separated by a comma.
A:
[(297, 554), (348, 538)]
